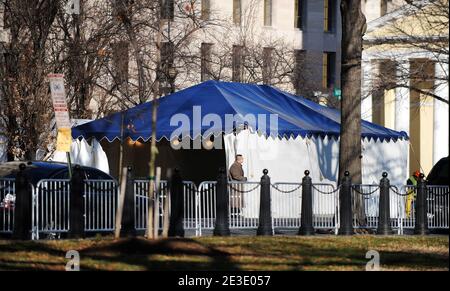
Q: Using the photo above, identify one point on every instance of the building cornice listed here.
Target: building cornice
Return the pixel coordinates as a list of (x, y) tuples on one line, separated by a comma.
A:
[(402, 11)]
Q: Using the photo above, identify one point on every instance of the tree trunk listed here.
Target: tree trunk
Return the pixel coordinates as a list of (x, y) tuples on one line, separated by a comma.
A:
[(353, 28)]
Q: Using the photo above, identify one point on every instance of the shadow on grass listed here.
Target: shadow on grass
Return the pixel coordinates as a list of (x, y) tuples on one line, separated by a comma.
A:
[(194, 255), (141, 253), (127, 253)]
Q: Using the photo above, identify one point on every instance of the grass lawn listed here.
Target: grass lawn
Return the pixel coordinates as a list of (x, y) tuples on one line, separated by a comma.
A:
[(231, 253)]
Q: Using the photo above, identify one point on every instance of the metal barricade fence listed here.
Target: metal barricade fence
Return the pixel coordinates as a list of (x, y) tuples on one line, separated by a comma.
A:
[(286, 205), (406, 206), (243, 206), (141, 200), (51, 202), (141, 196), (191, 211), (141, 190), (100, 203), (325, 206), (438, 204), (7, 200), (206, 205), (402, 207), (51, 206), (365, 205), (244, 200)]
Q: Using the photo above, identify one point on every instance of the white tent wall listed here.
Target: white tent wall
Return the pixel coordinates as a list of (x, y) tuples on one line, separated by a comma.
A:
[(84, 154), (390, 157), (287, 160)]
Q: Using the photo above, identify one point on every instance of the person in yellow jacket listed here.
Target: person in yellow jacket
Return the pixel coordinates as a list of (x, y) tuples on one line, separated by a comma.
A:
[(412, 181)]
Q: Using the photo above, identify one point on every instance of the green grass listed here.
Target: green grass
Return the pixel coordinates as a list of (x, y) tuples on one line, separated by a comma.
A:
[(231, 253)]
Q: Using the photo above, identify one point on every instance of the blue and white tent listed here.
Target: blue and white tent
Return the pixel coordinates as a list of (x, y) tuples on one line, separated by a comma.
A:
[(297, 116), (305, 136)]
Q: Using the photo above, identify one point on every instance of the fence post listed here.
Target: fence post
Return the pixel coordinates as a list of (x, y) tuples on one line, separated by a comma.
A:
[(222, 225), (306, 223), (345, 201), (421, 219), (127, 228), (384, 214), (166, 205), (76, 206), (176, 205), (22, 208), (265, 209)]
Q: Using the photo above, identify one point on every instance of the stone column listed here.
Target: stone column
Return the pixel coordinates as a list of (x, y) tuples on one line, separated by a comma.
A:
[(402, 102), (402, 106), (368, 75), (440, 124)]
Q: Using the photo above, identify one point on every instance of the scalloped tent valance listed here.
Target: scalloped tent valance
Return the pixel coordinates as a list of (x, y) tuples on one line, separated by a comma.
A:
[(210, 106)]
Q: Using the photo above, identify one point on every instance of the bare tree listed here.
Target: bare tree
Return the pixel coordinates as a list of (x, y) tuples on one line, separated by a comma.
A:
[(25, 101), (353, 29), (79, 48)]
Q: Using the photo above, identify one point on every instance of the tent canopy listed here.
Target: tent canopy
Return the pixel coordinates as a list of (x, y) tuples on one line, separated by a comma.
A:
[(202, 104)]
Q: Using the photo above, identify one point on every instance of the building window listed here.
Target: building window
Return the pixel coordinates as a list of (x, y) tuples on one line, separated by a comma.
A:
[(299, 70), (206, 9), (300, 14), (206, 62), (267, 65), (167, 9), (329, 15), (383, 7), (328, 70), (167, 50), (267, 12), (237, 12), (237, 63)]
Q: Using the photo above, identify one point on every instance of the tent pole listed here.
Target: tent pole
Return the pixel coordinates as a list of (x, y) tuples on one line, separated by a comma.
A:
[(121, 149), (69, 164)]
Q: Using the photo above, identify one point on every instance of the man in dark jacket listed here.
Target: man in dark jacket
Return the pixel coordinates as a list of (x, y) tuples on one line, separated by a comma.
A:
[(236, 172)]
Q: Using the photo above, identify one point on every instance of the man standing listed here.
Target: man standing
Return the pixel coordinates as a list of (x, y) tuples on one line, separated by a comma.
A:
[(236, 172)]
